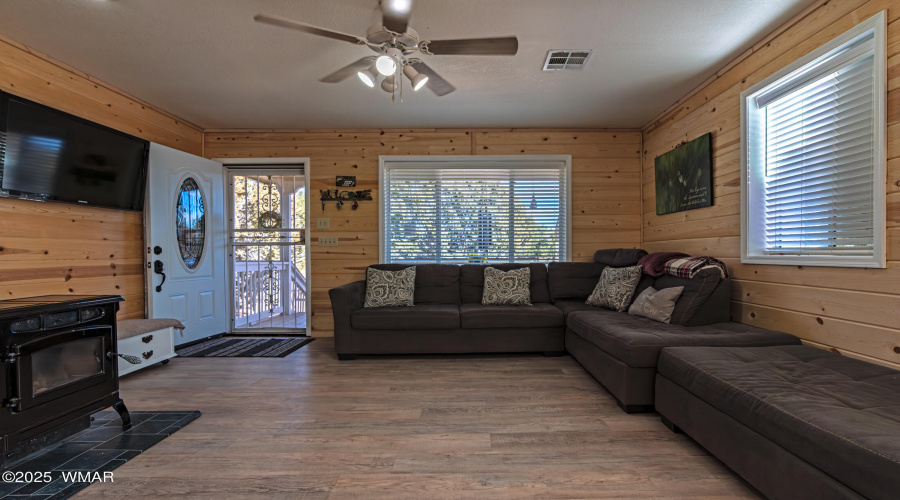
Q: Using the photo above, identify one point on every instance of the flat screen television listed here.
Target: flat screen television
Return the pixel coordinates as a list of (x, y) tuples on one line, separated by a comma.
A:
[(49, 155)]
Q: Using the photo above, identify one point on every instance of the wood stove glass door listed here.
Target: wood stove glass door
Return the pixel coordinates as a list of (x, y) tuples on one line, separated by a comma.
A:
[(186, 253), (60, 364)]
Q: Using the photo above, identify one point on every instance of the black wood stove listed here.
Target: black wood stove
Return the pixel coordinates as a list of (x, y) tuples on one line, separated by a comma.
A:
[(58, 365)]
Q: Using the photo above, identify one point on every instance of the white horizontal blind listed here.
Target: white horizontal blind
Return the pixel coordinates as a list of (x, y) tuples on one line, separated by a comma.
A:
[(820, 161), (485, 214)]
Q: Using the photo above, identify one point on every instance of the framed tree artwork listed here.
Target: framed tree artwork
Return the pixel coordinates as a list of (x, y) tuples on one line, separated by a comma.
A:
[(684, 177)]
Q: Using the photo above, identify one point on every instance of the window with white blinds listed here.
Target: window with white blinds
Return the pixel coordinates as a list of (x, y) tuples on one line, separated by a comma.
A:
[(475, 210), (813, 159)]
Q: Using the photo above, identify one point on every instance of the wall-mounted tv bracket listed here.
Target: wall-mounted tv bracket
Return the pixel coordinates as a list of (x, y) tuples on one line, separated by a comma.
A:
[(341, 196)]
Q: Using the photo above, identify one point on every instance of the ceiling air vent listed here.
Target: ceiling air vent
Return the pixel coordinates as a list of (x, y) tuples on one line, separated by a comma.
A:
[(566, 60)]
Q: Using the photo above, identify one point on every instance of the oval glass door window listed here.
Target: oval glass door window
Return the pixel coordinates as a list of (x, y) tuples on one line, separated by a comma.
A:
[(190, 222)]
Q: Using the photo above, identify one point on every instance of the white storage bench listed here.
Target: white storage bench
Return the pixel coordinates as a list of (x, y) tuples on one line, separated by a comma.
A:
[(150, 340)]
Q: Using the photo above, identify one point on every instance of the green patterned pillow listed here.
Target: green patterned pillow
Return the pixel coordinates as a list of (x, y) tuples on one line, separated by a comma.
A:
[(390, 288), (615, 288), (507, 288)]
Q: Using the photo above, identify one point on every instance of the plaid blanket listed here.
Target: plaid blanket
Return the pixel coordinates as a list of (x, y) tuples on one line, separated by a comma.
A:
[(654, 264), (688, 267)]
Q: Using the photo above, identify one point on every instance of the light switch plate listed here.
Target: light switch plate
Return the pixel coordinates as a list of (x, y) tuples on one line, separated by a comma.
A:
[(323, 223), (328, 241)]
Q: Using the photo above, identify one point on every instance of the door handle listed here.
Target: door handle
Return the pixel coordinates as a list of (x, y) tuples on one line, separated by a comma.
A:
[(158, 269)]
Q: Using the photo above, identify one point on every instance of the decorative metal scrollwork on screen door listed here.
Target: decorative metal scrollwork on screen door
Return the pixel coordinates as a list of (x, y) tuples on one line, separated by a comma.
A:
[(271, 286), (269, 206), (190, 223)]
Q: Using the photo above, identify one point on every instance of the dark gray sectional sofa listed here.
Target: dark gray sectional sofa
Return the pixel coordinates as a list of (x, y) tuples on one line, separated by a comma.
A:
[(618, 349)]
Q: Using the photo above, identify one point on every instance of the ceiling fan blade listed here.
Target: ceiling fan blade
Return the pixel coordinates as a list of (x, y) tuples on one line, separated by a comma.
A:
[(500, 46), (395, 14), (283, 22), (435, 83), (348, 70)]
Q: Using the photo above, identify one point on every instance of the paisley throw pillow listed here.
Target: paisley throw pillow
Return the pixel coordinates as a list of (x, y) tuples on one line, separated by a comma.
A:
[(656, 305), (390, 288), (615, 288), (506, 288)]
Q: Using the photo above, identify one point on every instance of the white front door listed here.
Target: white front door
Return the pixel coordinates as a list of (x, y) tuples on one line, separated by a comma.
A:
[(185, 228)]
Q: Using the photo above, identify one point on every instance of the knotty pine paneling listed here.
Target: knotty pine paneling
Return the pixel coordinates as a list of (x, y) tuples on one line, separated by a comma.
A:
[(55, 248), (606, 184), (853, 311)]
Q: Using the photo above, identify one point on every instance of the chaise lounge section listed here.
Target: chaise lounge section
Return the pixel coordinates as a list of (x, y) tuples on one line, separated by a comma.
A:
[(621, 350), (795, 421)]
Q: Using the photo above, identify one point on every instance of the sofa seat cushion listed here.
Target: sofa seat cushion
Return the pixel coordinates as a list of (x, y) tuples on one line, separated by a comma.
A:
[(637, 341), (570, 306), (839, 414), (421, 317), (536, 316)]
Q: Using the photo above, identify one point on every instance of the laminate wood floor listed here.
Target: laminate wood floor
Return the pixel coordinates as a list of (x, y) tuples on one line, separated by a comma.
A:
[(310, 427)]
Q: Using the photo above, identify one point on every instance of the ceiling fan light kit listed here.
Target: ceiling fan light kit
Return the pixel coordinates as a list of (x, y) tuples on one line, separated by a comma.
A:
[(394, 41), (387, 63), (369, 75), (418, 80), (390, 84)]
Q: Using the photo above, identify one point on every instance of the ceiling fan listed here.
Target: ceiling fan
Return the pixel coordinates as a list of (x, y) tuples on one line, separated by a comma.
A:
[(395, 42)]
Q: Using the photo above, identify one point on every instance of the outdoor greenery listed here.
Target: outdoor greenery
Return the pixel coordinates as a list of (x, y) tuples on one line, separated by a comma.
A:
[(473, 221), (254, 196)]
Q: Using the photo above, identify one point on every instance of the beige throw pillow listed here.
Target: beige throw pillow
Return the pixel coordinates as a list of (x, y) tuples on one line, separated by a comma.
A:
[(656, 304)]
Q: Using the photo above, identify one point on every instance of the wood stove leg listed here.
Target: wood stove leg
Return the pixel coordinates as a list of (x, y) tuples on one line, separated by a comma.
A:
[(119, 406)]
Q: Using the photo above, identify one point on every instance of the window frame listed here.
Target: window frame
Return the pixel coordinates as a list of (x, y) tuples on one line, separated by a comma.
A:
[(468, 162), (753, 167)]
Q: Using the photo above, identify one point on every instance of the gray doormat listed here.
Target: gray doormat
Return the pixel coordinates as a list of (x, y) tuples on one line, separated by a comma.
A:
[(255, 347), (65, 468)]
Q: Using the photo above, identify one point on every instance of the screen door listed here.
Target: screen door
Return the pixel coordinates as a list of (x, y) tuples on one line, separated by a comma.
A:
[(267, 248)]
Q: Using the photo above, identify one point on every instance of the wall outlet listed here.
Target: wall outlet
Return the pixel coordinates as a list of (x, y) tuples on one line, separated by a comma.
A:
[(323, 223), (328, 241)]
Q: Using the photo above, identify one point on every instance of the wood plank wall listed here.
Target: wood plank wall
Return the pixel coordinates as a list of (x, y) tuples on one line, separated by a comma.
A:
[(855, 311), (606, 184), (55, 248)]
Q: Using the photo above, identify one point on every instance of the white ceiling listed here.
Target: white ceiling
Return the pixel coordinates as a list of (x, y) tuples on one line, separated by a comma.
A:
[(208, 62)]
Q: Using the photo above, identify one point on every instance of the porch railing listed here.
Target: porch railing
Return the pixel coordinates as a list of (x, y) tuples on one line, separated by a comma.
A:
[(259, 293)]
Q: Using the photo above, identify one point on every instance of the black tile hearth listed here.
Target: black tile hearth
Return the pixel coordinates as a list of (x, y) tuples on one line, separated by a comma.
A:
[(98, 449)]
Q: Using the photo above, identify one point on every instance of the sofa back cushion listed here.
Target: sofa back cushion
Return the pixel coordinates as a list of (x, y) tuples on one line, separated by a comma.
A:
[(573, 280), (697, 291), (435, 283), (471, 281), (716, 309), (619, 257)]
